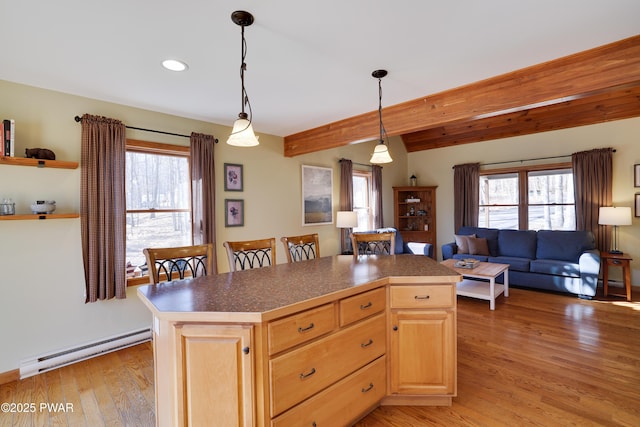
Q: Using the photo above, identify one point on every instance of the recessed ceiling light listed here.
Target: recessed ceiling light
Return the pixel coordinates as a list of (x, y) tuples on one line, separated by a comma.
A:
[(174, 65)]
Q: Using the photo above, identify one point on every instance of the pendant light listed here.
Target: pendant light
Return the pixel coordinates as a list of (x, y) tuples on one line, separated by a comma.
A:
[(242, 134), (381, 152)]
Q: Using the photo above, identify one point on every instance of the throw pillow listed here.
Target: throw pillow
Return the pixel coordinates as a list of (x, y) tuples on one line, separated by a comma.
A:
[(462, 243), (478, 246)]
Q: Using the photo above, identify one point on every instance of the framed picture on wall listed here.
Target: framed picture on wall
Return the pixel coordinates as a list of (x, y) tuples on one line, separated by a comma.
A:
[(233, 180), (234, 213), (636, 175), (317, 197), (637, 205)]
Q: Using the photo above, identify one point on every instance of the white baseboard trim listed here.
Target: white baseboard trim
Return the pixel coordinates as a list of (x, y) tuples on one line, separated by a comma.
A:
[(47, 362)]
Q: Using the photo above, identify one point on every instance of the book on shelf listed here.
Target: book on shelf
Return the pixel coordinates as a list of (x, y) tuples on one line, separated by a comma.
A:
[(8, 137), (2, 139)]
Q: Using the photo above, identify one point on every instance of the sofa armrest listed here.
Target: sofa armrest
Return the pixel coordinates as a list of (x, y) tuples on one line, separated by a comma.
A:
[(589, 270), (449, 250), (590, 262), (418, 248)]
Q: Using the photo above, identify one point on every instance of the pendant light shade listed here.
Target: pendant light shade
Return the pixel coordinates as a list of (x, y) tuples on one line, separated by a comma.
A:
[(381, 152), (242, 134)]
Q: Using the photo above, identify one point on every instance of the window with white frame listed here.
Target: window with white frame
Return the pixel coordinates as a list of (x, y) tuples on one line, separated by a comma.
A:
[(528, 198), (158, 198)]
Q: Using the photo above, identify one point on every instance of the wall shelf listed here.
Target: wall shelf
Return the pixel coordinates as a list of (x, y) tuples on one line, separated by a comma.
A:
[(38, 163), (21, 161), (38, 216)]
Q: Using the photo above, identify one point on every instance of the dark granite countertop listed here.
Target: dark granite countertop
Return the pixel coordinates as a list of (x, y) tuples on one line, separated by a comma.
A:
[(265, 293)]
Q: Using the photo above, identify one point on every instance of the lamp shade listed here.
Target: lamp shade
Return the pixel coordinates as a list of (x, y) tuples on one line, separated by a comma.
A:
[(346, 219), (381, 155), (242, 134), (614, 216)]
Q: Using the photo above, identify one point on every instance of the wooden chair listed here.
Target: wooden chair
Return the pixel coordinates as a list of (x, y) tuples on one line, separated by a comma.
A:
[(373, 243), (301, 248), (251, 254), (166, 264)]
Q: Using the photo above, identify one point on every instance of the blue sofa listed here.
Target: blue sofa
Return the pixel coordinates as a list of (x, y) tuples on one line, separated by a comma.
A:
[(564, 261)]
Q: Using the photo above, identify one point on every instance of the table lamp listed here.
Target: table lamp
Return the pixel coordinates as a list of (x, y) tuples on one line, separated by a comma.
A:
[(347, 220), (616, 217)]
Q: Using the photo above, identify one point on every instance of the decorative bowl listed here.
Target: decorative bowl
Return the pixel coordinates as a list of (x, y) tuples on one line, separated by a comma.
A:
[(43, 206)]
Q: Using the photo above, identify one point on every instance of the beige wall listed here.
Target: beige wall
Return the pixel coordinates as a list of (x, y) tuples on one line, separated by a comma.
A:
[(42, 287), (435, 167), (42, 305)]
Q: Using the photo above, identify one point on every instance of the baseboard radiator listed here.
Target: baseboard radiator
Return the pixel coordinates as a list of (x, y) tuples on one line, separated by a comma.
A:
[(47, 362)]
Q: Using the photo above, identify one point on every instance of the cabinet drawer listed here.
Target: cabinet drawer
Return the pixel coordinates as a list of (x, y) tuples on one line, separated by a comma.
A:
[(305, 371), (362, 305), (343, 402), (423, 296), (298, 328)]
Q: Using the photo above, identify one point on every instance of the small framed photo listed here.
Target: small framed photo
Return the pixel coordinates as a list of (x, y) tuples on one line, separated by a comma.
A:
[(637, 205), (636, 175), (233, 180), (234, 212)]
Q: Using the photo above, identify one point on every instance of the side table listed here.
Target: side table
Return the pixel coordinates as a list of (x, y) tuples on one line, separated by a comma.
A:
[(616, 260)]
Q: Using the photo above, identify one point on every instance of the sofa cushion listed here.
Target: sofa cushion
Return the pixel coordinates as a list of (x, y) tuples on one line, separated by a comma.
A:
[(517, 243), (555, 267), (478, 246), (564, 245), (419, 248), (491, 234), (462, 242), (515, 263)]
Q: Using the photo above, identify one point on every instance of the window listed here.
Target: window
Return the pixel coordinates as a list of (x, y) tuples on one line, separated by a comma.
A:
[(158, 197), (362, 200), (534, 198)]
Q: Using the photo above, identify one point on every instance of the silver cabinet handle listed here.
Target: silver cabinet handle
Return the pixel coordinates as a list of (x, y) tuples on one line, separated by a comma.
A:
[(367, 344), (368, 305), (421, 297)]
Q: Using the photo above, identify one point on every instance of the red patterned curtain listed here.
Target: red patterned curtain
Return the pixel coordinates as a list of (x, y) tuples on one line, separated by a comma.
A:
[(593, 188), (346, 200), (203, 192), (102, 207), (466, 199), (376, 187)]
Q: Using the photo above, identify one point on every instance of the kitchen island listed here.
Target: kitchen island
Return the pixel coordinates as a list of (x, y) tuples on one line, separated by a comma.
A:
[(320, 342)]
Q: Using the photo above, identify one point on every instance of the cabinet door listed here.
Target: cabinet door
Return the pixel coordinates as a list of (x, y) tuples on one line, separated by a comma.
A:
[(215, 375), (423, 352)]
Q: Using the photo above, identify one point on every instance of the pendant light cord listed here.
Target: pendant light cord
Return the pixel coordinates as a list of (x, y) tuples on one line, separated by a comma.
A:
[(244, 95), (382, 129)]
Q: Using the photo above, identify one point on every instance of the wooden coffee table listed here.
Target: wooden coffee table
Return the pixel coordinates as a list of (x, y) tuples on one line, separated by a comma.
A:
[(479, 289)]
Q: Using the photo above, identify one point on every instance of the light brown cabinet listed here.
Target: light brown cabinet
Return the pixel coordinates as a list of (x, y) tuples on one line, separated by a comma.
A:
[(328, 359), (213, 375), (422, 347), (415, 214)]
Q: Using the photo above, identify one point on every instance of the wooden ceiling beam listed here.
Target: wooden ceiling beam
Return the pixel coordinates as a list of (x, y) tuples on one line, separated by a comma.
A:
[(581, 75), (620, 104)]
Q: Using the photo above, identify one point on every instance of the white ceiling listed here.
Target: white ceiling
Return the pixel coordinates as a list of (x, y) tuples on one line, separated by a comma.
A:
[(308, 62)]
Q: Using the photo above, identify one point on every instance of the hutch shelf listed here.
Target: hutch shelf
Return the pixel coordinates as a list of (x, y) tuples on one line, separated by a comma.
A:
[(415, 214)]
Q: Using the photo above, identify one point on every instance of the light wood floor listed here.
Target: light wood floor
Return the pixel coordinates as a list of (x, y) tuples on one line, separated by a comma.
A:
[(539, 359)]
